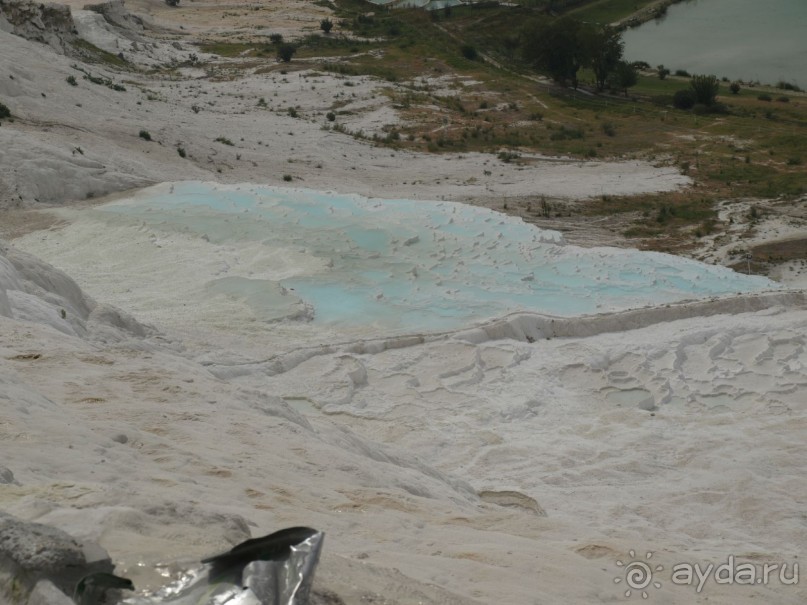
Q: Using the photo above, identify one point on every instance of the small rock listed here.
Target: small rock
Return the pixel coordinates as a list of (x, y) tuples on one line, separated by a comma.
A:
[(45, 593), (7, 477), (120, 438)]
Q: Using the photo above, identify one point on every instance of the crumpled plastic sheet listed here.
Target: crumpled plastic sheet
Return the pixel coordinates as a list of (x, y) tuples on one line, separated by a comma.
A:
[(277, 569)]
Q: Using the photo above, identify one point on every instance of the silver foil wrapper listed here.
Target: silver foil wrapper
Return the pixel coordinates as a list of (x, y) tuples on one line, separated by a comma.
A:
[(277, 569)]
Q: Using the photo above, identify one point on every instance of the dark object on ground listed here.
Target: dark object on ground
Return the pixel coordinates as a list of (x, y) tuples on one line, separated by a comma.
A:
[(93, 589), (30, 552), (274, 547)]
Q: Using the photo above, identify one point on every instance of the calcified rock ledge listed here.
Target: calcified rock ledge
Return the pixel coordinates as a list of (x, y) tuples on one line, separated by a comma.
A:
[(426, 458)]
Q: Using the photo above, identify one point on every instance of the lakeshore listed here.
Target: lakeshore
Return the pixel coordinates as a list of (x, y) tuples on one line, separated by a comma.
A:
[(739, 40)]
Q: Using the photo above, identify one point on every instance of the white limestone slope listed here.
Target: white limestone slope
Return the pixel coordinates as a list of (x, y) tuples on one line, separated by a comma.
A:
[(34, 291), (512, 461), (520, 460), (74, 142)]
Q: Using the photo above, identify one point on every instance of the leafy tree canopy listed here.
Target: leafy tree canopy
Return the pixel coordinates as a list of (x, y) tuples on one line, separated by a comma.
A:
[(563, 46)]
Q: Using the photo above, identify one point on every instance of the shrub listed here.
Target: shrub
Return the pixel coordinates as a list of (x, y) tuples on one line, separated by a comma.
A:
[(224, 141), (331, 116), (707, 227), (5, 112), (181, 152), (292, 112), (734, 88), (469, 52), (682, 73), (287, 177), (565, 133), (275, 38), (326, 25), (285, 52), (781, 84), (608, 129), (783, 99), (144, 134), (705, 89), (665, 213), (765, 97), (71, 80), (507, 156), (684, 98)]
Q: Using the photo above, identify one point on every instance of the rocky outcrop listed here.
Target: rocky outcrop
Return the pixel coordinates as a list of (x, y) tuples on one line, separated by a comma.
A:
[(34, 291), (50, 24), (114, 12), (31, 553)]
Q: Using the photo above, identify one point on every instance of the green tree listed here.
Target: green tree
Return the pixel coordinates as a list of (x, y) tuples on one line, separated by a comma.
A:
[(705, 89), (624, 76), (326, 25), (561, 47), (603, 48), (285, 52), (553, 47)]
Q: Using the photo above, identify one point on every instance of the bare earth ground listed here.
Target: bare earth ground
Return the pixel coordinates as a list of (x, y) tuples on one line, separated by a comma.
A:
[(508, 465)]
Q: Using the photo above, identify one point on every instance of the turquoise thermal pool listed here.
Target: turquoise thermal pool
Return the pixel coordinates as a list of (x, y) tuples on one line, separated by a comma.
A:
[(406, 265)]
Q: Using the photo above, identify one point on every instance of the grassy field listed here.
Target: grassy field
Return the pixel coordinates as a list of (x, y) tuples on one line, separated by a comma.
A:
[(756, 147)]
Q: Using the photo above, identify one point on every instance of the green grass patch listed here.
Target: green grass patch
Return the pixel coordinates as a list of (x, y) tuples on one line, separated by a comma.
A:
[(231, 49), (361, 68), (93, 54)]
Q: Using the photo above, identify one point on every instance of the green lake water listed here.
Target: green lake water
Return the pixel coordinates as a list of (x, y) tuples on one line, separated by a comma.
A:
[(763, 40)]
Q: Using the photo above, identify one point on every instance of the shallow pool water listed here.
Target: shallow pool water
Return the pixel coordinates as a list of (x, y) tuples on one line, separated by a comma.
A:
[(408, 265)]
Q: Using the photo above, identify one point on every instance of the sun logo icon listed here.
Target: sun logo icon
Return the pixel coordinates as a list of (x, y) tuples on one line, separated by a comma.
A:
[(638, 574)]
